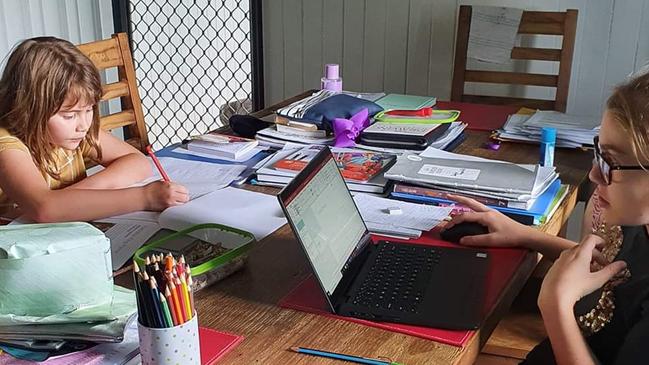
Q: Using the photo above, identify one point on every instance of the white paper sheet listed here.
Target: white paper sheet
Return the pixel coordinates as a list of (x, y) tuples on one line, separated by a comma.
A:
[(126, 236), (493, 33), (414, 216), (198, 177), (257, 213)]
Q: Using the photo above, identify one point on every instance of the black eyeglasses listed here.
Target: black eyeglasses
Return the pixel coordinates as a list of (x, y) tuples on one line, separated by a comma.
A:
[(605, 167)]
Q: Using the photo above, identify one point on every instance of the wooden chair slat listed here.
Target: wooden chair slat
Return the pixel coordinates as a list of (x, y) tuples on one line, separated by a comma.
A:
[(104, 54), (518, 78), (117, 120), (541, 54), (541, 28), (502, 100), (114, 90)]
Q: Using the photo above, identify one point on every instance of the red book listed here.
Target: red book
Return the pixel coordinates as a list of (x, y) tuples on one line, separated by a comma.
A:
[(504, 263), (480, 117), (215, 344)]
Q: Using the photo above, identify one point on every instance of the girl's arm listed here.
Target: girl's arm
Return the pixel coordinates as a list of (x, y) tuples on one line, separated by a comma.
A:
[(505, 232), (22, 181), (568, 344), (124, 166), (569, 279)]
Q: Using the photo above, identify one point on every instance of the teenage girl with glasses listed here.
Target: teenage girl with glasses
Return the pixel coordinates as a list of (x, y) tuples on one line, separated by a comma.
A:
[(595, 298)]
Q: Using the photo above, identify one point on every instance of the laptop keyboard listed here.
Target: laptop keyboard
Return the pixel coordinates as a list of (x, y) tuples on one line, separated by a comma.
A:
[(398, 278)]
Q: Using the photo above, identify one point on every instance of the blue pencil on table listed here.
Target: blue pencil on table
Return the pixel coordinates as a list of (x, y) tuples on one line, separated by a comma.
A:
[(334, 355)]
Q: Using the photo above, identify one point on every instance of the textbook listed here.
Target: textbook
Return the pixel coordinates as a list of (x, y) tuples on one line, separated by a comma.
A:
[(355, 166), (362, 170), (406, 136), (477, 175), (222, 145)]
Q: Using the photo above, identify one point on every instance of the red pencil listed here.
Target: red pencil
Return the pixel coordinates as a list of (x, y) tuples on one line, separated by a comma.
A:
[(157, 164)]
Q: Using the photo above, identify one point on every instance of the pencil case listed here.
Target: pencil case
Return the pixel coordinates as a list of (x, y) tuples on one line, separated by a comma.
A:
[(437, 117), (213, 251)]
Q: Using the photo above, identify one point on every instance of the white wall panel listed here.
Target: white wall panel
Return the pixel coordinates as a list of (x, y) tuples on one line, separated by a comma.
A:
[(408, 46)]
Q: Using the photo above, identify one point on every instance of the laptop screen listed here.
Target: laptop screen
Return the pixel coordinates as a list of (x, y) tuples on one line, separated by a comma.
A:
[(324, 217)]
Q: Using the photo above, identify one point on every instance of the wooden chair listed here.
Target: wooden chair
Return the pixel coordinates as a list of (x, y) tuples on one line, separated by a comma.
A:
[(115, 52), (532, 22)]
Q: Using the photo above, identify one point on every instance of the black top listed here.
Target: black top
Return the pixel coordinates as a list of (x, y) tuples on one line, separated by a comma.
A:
[(625, 340)]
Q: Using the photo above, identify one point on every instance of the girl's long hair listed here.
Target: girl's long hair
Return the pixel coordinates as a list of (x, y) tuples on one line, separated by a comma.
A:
[(39, 75)]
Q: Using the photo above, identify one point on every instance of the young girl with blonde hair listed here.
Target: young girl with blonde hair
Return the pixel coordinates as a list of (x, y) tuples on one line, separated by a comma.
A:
[(49, 128), (595, 298)]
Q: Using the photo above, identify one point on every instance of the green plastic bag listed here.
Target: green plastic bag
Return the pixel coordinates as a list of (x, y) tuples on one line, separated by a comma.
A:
[(54, 273)]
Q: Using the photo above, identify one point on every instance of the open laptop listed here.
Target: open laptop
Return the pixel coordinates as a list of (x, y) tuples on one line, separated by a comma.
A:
[(415, 284)]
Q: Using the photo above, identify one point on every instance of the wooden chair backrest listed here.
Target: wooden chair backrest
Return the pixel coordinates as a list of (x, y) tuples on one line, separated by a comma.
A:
[(115, 52), (532, 22)]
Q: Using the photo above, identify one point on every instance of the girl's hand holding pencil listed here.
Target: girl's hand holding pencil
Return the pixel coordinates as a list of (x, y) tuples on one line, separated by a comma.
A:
[(164, 291)]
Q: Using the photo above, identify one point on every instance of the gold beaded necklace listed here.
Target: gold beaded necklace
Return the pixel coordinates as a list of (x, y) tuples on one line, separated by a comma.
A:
[(598, 317)]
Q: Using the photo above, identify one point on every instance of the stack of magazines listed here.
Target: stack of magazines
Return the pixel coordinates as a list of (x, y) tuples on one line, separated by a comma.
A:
[(362, 170), (526, 193)]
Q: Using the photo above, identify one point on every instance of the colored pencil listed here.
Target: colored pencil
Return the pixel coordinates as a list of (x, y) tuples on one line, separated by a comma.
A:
[(351, 358), (165, 310), (180, 313), (170, 306), (186, 294), (181, 299), (155, 297), (190, 286), (157, 164)]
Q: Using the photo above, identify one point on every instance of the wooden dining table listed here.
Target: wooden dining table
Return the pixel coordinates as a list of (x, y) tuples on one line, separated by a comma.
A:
[(246, 303)]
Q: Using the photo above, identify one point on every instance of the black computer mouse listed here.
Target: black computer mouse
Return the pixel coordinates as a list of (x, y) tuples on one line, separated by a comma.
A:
[(455, 233)]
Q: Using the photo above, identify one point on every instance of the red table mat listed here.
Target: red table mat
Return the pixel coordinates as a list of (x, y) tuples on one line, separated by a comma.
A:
[(308, 297)]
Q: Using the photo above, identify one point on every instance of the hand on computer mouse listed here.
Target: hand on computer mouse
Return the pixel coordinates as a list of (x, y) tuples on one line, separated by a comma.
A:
[(458, 231), (502, 230)]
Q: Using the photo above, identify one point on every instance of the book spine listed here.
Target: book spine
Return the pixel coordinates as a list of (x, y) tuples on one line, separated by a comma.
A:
[(434, 193)]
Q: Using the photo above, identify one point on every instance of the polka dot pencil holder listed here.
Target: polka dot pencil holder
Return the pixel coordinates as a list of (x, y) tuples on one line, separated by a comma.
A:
[(172, 345)]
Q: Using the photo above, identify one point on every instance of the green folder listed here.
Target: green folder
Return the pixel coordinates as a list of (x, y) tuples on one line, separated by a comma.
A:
[(405, 102)]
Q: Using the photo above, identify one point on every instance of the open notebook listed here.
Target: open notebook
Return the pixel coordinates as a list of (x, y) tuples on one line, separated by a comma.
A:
[(225, 206)]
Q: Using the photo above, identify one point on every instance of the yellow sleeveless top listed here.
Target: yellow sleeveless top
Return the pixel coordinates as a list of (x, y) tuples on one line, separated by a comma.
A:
[(69, 164)]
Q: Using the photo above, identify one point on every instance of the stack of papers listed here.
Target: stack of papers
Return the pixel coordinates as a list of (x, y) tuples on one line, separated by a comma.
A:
[(572, 131), (398, 218), (525, 192)]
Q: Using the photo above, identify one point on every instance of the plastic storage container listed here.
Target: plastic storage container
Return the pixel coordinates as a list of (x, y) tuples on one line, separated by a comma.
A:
[(213, 251)]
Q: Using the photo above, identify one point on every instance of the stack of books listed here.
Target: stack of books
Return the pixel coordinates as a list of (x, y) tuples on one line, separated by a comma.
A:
[(526, 193), (572, 131), (278, 135), (362, 170), (223, 146)]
